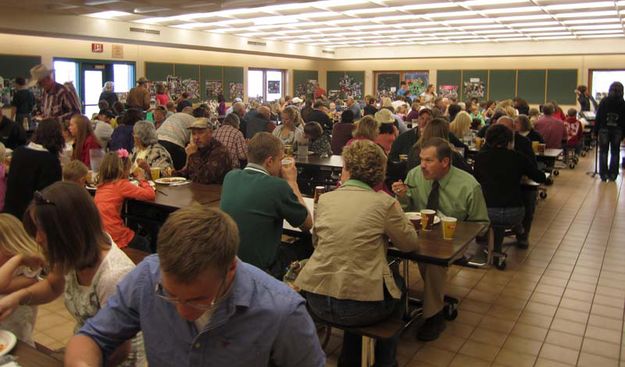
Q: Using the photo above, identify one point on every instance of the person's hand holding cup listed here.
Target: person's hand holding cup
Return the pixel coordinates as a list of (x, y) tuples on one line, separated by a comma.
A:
[(399, 188), (288, 171)]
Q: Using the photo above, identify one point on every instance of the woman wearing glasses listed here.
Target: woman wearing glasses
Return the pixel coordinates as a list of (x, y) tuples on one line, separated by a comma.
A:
[(85, 264)]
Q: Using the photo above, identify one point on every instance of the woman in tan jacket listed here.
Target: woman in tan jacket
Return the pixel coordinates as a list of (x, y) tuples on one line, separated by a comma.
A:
[(347, 281)]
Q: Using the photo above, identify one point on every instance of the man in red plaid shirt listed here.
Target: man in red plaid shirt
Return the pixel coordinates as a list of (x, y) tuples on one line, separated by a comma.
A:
[(230, 136)]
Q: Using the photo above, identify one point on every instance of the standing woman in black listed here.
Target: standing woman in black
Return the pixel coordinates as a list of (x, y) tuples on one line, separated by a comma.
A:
[(34, 166), (609, 128)]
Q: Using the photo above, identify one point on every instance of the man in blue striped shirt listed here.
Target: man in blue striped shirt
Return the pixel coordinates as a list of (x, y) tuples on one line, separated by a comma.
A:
[(198, 305)]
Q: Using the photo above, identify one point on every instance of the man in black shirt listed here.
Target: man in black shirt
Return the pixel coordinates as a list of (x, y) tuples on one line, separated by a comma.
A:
[(12, 134), (23, 102), (319, 115)]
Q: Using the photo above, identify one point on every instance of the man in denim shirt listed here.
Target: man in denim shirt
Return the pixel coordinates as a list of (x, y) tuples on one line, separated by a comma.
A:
[(198, 305)]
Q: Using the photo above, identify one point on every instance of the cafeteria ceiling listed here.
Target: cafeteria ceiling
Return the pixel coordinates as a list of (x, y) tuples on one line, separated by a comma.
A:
[(337, 24)]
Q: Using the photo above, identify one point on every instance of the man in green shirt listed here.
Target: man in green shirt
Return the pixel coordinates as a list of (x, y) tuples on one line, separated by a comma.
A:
[(437, 185), (259, 198)]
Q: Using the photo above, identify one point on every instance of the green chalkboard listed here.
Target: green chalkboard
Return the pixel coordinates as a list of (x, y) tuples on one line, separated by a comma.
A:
[(186, 71), (386, 83), (301, 86), (561, 85), (448, 78), (233, 82), (501, 84), (158, 71), (472, 87), (13, 66), (215, 76), (531, 85), (345, 83)]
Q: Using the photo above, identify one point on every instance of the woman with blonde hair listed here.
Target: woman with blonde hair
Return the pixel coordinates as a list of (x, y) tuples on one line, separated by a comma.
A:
[(461, 125), (291, 130), (20, 264), (366, 129)]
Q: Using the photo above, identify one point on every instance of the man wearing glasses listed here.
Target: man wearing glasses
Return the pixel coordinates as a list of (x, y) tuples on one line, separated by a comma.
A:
[(198, 305)]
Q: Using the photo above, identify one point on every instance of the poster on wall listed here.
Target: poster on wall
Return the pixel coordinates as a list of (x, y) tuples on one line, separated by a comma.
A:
[(388, 84), (192, 87), (176, 87), (213, 89), (273, 86), (235, 90), (474, 88), (448, 91), (348, 87), (306, 90), (417, 82)]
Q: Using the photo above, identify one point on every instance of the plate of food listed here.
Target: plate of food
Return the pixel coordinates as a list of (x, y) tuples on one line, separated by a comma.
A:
[(170, 180), (415, 218), (7, 341)]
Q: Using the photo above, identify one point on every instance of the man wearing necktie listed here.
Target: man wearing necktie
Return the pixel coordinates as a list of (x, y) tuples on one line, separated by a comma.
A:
[(439, 186)]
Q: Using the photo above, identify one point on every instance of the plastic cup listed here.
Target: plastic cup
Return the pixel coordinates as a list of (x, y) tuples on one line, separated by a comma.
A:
[(449, 227), (427, 219), (286, 162), (155, 172), (318, 191), (535, 145)]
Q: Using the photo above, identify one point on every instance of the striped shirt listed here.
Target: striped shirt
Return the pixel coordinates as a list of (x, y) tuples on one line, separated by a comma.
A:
[(59, 103)]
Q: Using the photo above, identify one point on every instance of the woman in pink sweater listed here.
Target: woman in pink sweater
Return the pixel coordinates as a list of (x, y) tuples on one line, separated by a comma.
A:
[(113, 188)]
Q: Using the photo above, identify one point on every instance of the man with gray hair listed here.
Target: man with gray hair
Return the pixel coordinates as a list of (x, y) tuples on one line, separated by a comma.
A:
[(230, 136), (197, 304), (240, 110)]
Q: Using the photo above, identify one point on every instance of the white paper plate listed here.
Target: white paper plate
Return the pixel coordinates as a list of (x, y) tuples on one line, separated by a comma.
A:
[(7, 341), (170, 180), (417, 216)]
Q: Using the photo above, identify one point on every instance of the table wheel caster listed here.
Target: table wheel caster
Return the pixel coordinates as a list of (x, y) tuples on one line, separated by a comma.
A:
[(542, 195), (556, 172)]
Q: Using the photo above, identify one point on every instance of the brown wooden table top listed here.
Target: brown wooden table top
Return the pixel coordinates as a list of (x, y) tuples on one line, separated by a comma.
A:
[(333, 161), (550, 153), (176, 197), (28, 356), (434, 249)]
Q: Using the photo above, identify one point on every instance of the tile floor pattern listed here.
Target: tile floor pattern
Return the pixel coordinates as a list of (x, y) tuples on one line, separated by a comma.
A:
[(560, 303)]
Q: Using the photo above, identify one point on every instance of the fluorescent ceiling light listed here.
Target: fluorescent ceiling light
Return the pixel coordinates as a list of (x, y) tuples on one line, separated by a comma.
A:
[(493, 31), (533, 24), (544, 34), (586, 14), (370, 11), (524, 9), (542, 29), (604, 31), (598, 26), (602, 36), (483, 26), (426, 6), (591, 21), (582, 5), (191, 25), (522, 17), (490, 2), (555, 38), (110, 14), (448, 14), (467, 21), (275, 20)]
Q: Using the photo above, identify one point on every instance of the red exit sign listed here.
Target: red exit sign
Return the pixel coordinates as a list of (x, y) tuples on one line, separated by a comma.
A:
[(97, 47)]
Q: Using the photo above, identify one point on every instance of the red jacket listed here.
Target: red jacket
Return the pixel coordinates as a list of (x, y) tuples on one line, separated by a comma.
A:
[(109, 198), (90, 143)]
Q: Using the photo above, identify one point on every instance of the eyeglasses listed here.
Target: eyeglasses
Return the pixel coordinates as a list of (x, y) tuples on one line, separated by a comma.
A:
[(40, 200), (160, 292)]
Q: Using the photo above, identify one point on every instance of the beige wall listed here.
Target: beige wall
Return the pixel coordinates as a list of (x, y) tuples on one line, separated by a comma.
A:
[(60, 47), (48, 48), (582, 63)]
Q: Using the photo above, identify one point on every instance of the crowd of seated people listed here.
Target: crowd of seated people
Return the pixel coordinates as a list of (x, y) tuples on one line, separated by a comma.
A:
[(401, 154)]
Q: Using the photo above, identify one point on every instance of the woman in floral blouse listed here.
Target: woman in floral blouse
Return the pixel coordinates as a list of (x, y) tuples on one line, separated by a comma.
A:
[(147, 151)]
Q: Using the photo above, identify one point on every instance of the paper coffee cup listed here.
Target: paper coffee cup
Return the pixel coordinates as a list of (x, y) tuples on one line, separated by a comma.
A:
[(427, 219), (449, 227)]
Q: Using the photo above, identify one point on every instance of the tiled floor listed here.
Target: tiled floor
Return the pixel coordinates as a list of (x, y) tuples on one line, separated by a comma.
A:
[(560, 303)]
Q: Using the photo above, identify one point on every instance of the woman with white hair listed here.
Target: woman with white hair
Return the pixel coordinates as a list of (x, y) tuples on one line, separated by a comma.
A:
[(148, 153), (108, 94)]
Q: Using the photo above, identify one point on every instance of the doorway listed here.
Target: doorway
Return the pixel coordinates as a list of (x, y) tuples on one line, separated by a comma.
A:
[(264, 85)]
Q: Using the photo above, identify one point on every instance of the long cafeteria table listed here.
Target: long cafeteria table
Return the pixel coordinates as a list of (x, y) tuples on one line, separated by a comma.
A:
[(28, 356), (314, 170)]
